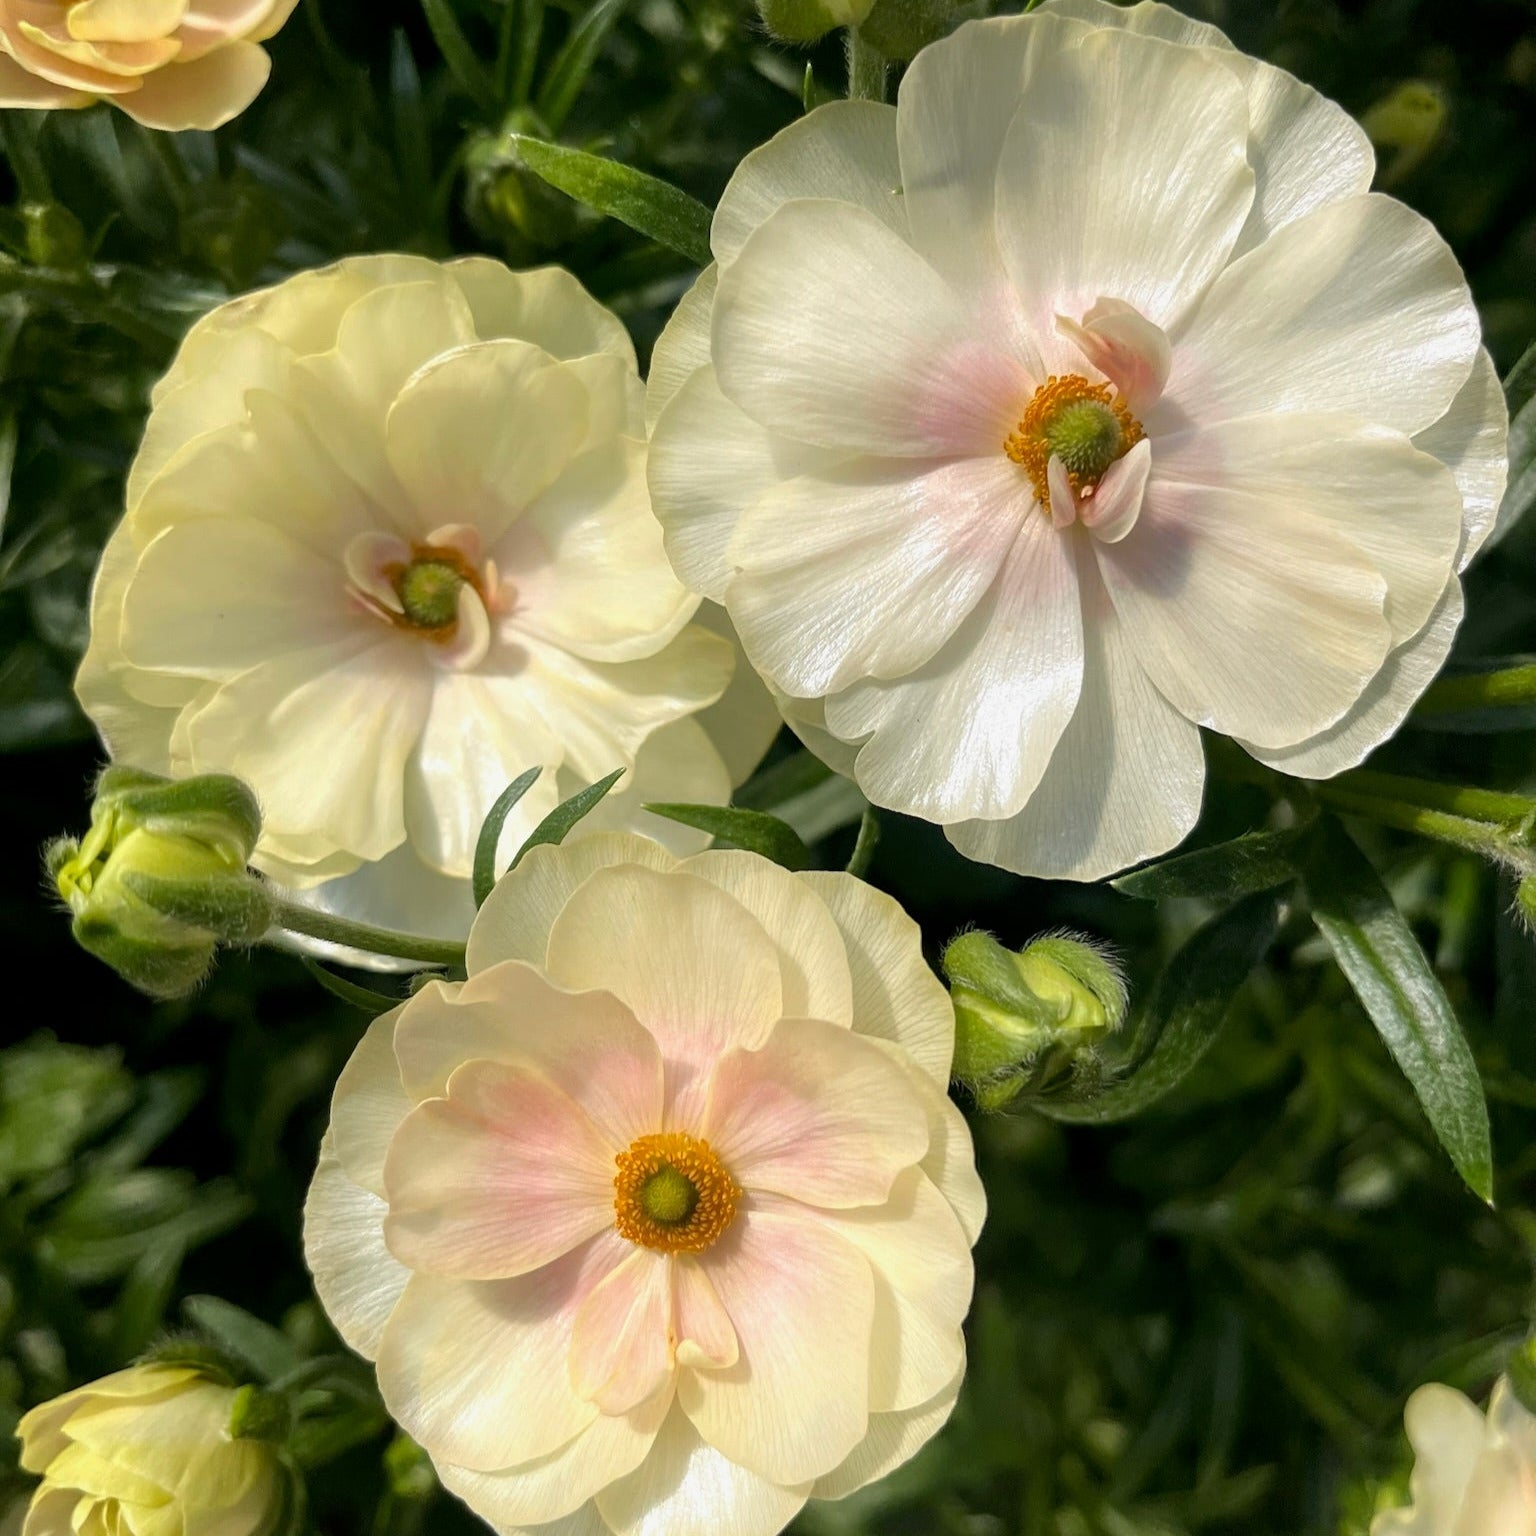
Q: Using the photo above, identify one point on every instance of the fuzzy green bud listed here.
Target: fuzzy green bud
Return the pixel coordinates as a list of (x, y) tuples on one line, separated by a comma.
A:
[(160, 880), (1022, 1019), (804, 21)]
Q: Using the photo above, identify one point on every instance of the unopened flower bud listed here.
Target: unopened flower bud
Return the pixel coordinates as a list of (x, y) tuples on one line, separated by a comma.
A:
[(160, 880), (150, 1447), (1023, 1018), (1405, 126), (803, 21)]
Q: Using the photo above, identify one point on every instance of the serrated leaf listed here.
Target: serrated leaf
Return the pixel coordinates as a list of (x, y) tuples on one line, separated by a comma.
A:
[(268, 1352), (1398, 989), (489, 840), (1258, 861), (1184, 1015), (755, 831), (557, 825), (653, 207), (568, 73)]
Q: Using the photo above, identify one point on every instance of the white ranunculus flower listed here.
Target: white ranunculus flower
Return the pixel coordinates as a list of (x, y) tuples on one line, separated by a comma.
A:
[(147, 1451), (1085, 398), (661, 1222), (387, 546), (1473, 1475)]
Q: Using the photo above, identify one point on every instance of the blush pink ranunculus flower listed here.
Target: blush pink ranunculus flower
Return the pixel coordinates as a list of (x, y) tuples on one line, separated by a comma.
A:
[(661, 1221), (169, 64)]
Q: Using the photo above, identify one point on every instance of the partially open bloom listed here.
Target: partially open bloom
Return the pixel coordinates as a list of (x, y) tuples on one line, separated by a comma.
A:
[(661, 1222), (1473, 1475), (145, 1451), (1085, 398), (387, 546), (169, 64)]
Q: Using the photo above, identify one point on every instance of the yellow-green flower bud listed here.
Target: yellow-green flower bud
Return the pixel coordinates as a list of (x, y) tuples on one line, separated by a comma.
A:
[(1406, 125), (1023, 1018), (150, 1448), (803, 21), (160, 880)]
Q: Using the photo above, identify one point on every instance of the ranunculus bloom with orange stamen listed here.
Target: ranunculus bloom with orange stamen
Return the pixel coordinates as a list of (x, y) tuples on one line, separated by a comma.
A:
[(169, 64), (661, 1221)]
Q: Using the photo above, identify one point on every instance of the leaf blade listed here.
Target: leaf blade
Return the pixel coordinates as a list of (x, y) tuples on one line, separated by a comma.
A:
[(484, 868), (755, 831)]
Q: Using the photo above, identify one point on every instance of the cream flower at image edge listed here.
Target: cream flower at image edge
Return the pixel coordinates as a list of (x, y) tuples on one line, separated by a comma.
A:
[(1084, 398), (169, 64), (387, 545), (661, 1221), (1473, 1475)]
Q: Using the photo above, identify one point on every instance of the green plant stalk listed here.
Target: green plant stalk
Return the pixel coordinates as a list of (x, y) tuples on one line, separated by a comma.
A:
[(292, 918), (1478, 690), (866, 70), (1490, 841), (1458, 799)]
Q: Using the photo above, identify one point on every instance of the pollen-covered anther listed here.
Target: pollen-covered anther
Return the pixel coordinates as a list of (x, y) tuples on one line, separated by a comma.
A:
[(1085, 425), (672, 1193)]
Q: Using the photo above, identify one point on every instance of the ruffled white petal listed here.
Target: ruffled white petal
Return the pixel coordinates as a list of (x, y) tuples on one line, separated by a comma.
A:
[(893, 1438), (1471, 440)]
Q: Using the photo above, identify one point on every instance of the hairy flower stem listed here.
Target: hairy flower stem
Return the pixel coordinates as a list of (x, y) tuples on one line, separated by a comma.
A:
[(866, 69), (292, 918), (1479, 690)]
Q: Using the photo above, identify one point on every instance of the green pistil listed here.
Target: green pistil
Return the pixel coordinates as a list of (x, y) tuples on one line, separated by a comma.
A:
[(1086, 436), (429, 593), (668, 1197)]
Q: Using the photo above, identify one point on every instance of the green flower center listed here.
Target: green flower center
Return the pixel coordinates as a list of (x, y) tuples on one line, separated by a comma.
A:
[(428, 589), (669, 1197), (1087, 436)]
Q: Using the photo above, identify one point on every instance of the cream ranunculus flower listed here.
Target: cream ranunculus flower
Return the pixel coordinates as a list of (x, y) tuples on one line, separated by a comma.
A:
[(661, 1222), (167, 63), (1474, 1476), (1085, 398), (387, 546), (147, 1451)]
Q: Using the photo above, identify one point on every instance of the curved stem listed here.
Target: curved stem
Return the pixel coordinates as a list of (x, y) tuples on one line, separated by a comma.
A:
[(377, 941), (1508, 687), (866, 69)]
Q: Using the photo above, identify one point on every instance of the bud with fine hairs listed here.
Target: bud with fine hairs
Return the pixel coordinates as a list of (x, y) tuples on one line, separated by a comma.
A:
[(151, 1449), (1025, 1019), (160, 880)]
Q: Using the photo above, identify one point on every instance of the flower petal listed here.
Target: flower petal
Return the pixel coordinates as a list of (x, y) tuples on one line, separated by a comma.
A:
[(1249, 614), (545, 305), (356, 1277), (694, 965), (204, 93), (1076, 217), (1123, 784), (685, 1484), (815, 1113), (477, 1369), (621, 1350), (1357, 307), (705, 1337), (972, 731), (1471, 440), (368, 1104), (896, 996), (588, 1044), (893, 1438), (829, 327), (867, 569), (504, 1174), (683, 346), (844, 150), (802, 1300)]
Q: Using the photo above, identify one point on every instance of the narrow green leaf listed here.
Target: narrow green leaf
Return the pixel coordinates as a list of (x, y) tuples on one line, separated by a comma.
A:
[(568, 73), (371, 1002), (1185, 1014), (459, 56), (557, 825), (490, 833), (783, 781), (1377, 951), (865, 844), (269, 1353), (756, 831), (412, 138), (655, 208), (1258, 861), (530, 33)]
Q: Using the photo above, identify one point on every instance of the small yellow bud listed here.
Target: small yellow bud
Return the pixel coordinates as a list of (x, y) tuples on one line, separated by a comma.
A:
[(1023, 1018), (1406, 125), (150, 1448), (160, 880)]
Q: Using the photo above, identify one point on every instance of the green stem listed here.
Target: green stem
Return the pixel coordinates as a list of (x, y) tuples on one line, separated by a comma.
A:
[(1458, 799), (1496, 843), (1479, 690), (293, 918), (866, 69)]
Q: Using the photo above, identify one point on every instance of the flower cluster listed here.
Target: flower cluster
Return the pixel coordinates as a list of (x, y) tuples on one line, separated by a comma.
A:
[(661, 1221)]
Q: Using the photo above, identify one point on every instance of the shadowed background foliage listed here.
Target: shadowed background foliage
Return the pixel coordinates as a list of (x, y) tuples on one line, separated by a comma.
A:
[(1203, 1319)]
